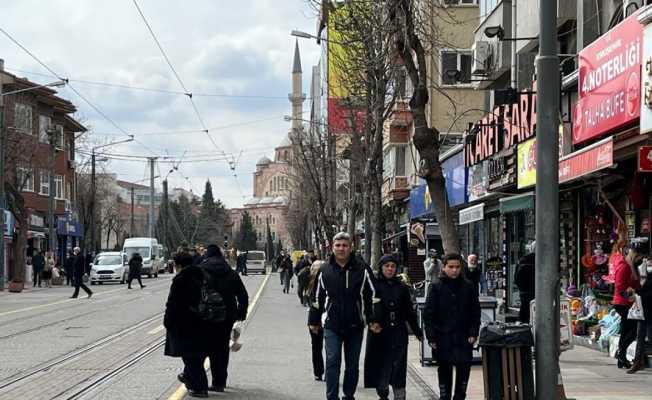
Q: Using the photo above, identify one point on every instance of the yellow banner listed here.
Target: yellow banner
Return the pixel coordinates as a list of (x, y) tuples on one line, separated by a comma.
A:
[(527, 163)]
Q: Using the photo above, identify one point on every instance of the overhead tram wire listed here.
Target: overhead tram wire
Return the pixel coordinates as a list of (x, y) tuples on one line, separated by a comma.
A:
[(188, 93), (58, 76)]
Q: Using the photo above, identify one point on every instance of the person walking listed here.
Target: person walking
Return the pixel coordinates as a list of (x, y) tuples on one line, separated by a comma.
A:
[(186, 336), (135, 270), (387, 339), (316, 338), (68, 268), (524, 280), (286, 272), (627, 280), (241, 265), (344, 293), (432, 266), (451, 318), (38, 264), (644, 328), (78, 273), (48, 268), (302, 272), (473, 271), (228, 284)]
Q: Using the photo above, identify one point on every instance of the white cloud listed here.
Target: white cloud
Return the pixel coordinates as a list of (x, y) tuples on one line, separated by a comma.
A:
[(217, 46)]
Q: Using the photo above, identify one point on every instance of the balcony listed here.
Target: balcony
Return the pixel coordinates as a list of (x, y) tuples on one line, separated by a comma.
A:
[(395, 188)]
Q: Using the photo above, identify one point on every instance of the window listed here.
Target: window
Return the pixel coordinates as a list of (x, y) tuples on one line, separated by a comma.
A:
[(69, 191), (25, 179), (44, 123), (394, 161), (58, 186), (45, 182), (273, 236), (71, 150), (486, 7), (60, 138), (23, 118), (400, 161), (461, 61), (460, 2)]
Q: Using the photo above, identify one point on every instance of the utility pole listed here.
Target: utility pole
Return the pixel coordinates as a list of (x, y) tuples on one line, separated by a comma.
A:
[(2, 181), (150, 231), (51, 205), (93, 195), (131, 225), (547, 206), (165, 213)]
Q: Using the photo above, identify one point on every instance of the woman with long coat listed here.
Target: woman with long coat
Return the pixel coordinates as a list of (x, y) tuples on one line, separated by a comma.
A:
[(135, 270), (387, 337), (627, 280), (186, 335), (451, 318)]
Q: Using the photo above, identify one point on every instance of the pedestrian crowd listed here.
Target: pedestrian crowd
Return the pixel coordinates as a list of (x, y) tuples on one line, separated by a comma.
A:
[(346, 298)]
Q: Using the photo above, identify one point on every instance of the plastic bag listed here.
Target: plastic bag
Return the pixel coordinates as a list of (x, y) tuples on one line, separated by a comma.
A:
[(636, 310), (234, 343)]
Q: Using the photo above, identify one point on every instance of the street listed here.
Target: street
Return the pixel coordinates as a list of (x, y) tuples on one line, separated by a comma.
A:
[(110, 346)]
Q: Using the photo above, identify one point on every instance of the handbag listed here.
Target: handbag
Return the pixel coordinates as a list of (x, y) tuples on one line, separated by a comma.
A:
[(636, 310)]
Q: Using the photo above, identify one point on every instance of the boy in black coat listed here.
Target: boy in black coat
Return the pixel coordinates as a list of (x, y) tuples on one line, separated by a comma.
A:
[(452, 321)]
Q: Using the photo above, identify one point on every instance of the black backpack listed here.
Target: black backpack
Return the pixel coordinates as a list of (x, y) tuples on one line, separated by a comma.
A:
[(211, 306)]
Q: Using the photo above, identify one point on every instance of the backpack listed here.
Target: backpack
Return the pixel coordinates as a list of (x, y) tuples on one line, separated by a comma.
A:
[(211, 306)]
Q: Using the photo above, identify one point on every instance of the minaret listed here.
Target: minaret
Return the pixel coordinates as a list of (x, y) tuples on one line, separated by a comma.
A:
[(297, 97)]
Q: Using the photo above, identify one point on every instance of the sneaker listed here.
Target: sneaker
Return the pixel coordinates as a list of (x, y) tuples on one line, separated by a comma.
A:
[(318, 378), (143, 287), (197, 393), (90, 295), (214, 388)]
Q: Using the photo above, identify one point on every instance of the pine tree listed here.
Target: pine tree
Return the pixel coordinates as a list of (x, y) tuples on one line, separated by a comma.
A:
[(269, 248), (212, 216), (279, 246), (247, 235)]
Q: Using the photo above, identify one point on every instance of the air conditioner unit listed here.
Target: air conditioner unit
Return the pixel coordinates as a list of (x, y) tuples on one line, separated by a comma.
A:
[(481, 55)]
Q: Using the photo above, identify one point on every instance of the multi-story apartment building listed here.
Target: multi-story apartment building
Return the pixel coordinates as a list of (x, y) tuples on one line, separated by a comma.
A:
[(30, 117)]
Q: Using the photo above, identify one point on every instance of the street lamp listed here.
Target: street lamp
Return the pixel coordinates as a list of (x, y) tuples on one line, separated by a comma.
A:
[(3, 202), (304, 35), (93, 188), (499, 32)]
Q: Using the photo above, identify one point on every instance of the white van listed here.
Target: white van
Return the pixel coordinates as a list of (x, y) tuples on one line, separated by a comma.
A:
[(148, 250), (256, 261)]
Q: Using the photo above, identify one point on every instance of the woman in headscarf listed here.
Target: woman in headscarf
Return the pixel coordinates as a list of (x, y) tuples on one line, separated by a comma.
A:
[(387, 338)]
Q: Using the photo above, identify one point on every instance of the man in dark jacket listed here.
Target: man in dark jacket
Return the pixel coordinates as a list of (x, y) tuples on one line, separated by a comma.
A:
[(38, 263), (79, 271), (524, 279), (385, 361), (69, 267), (452, 321), (344, 291), (186, 334), (241, 263), (286, 273), (229, 285), (302, 271), (135, 270)]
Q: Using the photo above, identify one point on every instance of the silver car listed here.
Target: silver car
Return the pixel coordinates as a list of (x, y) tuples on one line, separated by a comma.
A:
[(108, 267)]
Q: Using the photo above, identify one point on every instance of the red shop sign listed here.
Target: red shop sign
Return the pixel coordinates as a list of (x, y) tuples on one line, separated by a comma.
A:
[(585, 161), (609, 81), (645, 159)]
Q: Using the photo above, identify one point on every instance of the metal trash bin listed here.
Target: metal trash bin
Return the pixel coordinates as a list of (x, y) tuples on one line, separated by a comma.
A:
[(507, 361)]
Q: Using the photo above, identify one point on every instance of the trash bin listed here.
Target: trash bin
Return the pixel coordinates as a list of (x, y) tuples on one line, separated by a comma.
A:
[(507, 361)]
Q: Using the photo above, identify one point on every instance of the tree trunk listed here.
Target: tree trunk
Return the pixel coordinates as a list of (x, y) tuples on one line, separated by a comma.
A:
[(19, 249)]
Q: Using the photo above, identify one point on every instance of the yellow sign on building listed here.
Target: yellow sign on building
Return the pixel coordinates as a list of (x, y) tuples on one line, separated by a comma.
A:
[(527, 163)]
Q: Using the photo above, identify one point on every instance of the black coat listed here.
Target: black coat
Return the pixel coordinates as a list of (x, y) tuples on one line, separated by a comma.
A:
[(524, 278), (79, 267), (186, 334), (135, 267), (646, 298), (450, 317), (393, 310), (69, 265), (473, 275), (38, 262), (344, 294)]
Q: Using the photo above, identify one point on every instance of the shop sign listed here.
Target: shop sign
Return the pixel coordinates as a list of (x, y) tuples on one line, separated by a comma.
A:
[(420, 202), (472, 214), (609, 81), (587, 160), (565, 323), (478, 181), (503, 128), (645, 159), (527, 164), (36, 221), (455, 175)]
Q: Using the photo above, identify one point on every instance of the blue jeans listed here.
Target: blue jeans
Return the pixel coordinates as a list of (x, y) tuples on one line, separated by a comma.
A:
[(352, 342)]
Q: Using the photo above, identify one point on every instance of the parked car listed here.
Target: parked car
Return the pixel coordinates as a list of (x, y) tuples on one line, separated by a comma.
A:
[(108, 267), (256, 261)]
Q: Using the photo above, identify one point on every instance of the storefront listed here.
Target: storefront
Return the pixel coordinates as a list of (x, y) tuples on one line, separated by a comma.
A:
[(69, 233), (36, 239)]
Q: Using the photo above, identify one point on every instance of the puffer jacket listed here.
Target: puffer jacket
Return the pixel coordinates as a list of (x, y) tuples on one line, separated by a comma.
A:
[(624, 279), (343, 296)]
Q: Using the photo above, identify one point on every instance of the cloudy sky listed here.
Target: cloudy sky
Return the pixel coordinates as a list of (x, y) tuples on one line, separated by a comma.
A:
[(217, 47)]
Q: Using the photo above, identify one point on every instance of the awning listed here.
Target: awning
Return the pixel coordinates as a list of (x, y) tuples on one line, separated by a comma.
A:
[(517, 203)]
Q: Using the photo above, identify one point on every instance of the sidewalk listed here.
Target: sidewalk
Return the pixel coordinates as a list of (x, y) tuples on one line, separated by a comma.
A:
[(587, 375)]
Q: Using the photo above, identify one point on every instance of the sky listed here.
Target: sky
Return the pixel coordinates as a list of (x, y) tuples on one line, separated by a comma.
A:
[(217, 47)]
